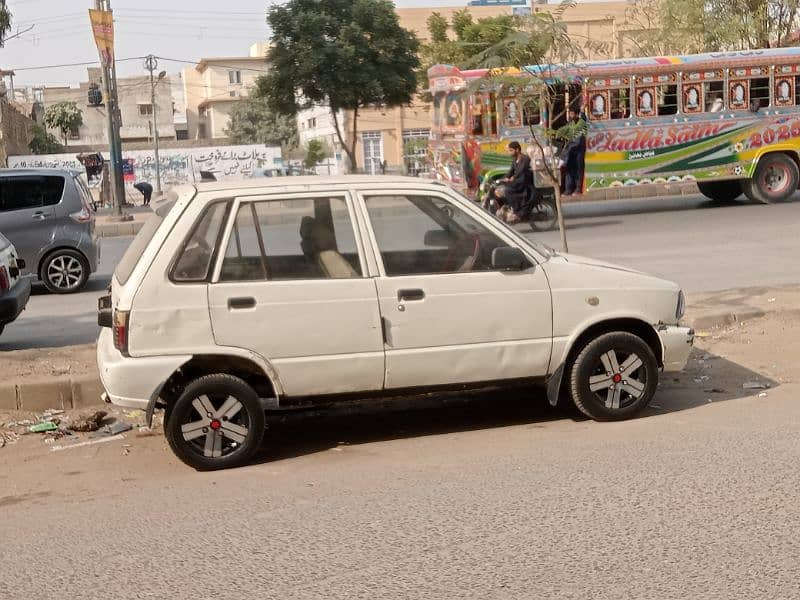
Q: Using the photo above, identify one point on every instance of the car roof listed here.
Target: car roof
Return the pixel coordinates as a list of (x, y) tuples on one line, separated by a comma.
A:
[(311, 181), (39, 171)]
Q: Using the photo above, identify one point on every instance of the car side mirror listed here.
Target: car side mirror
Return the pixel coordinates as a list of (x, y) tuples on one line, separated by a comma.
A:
[(438, 238), (508, 259)]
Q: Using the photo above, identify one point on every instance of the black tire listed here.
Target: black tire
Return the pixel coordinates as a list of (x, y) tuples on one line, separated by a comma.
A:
[(775, 180), (544, 215), (64, 271), (721, 191), (223, 442), (592, 363)]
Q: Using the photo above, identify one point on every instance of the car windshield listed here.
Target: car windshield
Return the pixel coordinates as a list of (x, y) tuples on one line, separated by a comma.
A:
[(539, 247)]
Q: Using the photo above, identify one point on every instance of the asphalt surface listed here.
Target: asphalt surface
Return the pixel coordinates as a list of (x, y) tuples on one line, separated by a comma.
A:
[(495, 499), (700, 245)]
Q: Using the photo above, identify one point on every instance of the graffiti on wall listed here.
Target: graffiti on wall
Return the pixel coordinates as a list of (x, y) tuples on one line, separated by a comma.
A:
[(178, 166)]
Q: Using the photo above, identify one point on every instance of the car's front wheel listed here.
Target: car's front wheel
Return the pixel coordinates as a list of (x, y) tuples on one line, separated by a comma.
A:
[(614, 376), (216, 423)]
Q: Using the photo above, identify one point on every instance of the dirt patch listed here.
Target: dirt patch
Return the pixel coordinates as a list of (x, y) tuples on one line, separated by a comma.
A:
[(70, 361)]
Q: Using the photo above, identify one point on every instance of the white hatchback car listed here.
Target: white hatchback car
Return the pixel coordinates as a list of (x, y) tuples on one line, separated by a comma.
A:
[(241, 296)]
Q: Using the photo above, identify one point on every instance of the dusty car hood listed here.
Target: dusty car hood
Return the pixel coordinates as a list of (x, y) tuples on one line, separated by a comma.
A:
[(593, 262)]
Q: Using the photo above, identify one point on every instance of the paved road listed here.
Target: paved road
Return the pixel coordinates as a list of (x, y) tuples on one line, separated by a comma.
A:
[(689, 240), (496, 499), (51, 320)]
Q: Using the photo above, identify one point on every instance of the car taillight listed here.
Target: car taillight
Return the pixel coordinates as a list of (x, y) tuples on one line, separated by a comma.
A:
[(5, 282), (83, 216), (120, 330)]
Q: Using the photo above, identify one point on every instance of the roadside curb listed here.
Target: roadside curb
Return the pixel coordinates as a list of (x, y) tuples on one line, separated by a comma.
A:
[(118, 229), (64, 393)]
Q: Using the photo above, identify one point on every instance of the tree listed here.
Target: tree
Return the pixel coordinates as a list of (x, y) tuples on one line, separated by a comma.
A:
[(5, 22), (437, 27), (64, 117), (253, 122), (316, 151), (44, 142), (344, 54), (546, 53)]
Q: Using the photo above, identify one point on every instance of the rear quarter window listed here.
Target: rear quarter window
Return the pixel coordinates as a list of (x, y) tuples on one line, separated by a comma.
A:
[(140, 242)]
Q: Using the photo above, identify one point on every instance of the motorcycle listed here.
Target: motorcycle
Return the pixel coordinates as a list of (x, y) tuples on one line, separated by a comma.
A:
[(543, 214)]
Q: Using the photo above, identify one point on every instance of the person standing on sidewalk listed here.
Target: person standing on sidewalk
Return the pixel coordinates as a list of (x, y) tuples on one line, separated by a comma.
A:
[(146, 189), (574, 153)]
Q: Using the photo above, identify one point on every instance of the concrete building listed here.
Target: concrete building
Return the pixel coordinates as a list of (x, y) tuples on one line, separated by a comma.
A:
[(136, 109), (215, 85), (16, 130)]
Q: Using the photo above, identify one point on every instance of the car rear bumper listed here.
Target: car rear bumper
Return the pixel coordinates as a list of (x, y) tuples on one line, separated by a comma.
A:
[(677, 343), (13, 301), (132, 382)]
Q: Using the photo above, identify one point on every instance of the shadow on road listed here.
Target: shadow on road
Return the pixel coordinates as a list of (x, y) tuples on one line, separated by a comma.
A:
[(707, 379), (95, 284)]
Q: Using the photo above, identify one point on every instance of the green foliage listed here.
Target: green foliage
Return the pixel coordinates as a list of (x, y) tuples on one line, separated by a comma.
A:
[(663, 27), (253, 122), (316, 151), (5, 21), (437, 27), (347, 54), (63, 117), (44, 142)]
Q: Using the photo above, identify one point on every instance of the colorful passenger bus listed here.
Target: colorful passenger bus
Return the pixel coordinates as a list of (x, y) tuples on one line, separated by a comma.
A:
[(729, 121)]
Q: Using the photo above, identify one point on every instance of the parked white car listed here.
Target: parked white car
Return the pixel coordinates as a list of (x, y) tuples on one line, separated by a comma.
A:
[(15, 290), (239, 296)]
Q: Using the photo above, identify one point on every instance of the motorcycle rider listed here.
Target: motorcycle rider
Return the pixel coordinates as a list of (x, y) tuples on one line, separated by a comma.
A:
[(515, 187)]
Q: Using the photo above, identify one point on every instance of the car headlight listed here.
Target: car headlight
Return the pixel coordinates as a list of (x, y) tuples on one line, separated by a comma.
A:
[(681, 310)]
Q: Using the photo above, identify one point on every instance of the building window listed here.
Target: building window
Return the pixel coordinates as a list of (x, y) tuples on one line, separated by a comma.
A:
[(201, 131), (312, 123), (145, 110), (181, 134), (235, 77), (74, 133), (373, 152)]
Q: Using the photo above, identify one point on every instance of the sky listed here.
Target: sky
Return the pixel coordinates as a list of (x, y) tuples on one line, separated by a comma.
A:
[(186, 31)]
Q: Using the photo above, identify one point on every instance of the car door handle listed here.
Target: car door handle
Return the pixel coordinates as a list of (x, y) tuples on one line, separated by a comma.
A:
[(410, 295), (39, 216), (241, 303)]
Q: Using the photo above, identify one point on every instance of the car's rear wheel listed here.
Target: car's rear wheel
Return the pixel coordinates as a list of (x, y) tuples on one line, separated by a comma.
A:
[(216, 423), (614, 376), (65, 271)]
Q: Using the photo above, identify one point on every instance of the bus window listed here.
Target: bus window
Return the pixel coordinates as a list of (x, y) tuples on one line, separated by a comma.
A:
[(714, 95), (490, 124), (759, 91), (531, 115), (667, 96), (476, 106), (784, 91), (620, 104), (576, 98)]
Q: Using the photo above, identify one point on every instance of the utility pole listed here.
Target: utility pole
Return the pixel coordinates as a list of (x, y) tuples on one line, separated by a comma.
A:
[(151, 64)]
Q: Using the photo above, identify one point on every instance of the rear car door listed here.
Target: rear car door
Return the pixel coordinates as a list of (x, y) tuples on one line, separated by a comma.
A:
[(291, 286), (27, 212), (449, 316)]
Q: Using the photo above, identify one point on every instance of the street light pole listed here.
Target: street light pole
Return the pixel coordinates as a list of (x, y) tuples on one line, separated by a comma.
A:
[(151, 64)]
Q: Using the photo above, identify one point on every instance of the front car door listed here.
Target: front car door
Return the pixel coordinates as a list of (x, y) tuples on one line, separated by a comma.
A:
[(291, 286), (449, 317)]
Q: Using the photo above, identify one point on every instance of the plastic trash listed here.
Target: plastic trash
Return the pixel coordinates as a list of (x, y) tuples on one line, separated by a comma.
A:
[(43, 427)]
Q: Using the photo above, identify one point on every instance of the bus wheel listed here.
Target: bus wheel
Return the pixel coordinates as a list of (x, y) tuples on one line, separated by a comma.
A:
[(721, 191), (775, 180)]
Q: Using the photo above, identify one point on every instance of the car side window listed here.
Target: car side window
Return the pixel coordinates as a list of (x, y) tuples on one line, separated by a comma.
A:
[(298, 238), (419, 235), (20, 193), (194, 260)]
